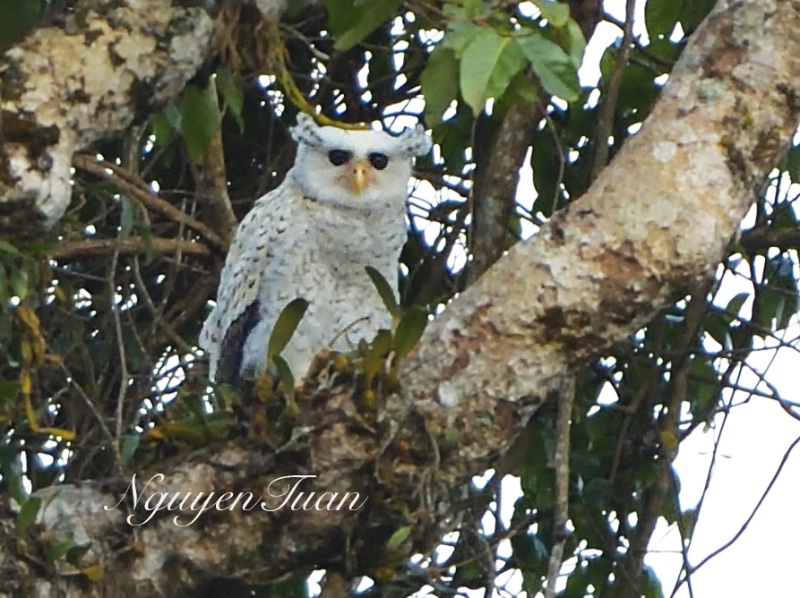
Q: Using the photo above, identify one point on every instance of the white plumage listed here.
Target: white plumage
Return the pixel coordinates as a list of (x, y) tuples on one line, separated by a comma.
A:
[(340, 208)]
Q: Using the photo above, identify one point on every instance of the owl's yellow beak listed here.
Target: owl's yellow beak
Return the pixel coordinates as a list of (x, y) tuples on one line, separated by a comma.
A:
[(360, 175)]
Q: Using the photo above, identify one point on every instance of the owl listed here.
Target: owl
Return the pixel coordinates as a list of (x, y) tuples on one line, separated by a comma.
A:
[(340, 208)]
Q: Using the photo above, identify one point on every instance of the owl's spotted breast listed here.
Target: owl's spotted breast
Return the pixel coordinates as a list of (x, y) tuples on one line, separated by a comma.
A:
[(312, 238)]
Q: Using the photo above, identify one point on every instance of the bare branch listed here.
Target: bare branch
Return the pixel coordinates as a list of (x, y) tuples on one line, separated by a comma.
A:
[(608, 104), (95, 84), (495, 190), (561, 510), (137, 190), (73, 249)]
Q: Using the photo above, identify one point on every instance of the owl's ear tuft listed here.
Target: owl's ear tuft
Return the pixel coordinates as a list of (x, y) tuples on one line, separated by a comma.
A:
[(306, 130), (415, 142)]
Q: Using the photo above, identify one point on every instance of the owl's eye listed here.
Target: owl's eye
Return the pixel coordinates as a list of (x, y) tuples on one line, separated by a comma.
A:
[(379, 161), (338, 157)]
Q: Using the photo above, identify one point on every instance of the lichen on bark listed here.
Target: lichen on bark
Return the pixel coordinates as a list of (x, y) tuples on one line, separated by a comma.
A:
[(67, 86)]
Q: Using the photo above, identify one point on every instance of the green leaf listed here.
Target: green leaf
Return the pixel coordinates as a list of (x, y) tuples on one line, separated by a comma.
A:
[(17, 18), (556, 13), (717, 325), (8, 389), (688, 521), (778, 293), (735, 305), (165, 125), (409, 330), (468, 8), (793, 163), (361, 20), (285, 326), (702, 387), (384, 290), (489, 63), (653, 587), (27, 514), (232, 94), (555, 68), (58, 550), (460, 35), (6, 247), (19, 282), (295, 586), (285, 373), (342, 15), (11, 470), (571, 37), (694, 12), (3, 289), (399, 536), (379, 349), (661, 16), (439, 83), (784, 215), (521, 90), (199, 120), (76, 553), (129, 446)]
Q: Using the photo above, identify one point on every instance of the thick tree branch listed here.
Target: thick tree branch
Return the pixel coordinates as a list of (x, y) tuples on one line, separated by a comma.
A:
[(63, 88), (758, 239), (495, 191), (657, 220)]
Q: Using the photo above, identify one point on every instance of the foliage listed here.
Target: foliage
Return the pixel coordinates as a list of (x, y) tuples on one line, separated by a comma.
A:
[(99, 321)]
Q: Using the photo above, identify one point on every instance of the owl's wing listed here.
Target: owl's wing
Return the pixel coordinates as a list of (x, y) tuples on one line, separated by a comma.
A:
[(237, 311), (231, 351)]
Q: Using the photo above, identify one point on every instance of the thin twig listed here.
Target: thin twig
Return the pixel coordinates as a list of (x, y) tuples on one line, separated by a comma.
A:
[(89, 403), (135, 189), (745, 525), (124, 376), (561, 510), (608, 106)]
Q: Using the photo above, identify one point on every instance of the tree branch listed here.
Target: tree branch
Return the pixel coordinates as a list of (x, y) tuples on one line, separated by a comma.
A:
[(62, 91), (657, 220), (135, 188), (212, 182), (495, 189), (75, 249), (608, 104)]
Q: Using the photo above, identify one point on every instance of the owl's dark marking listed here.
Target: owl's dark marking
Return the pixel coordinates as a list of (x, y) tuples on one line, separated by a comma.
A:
[(231, 350), (306, 131)]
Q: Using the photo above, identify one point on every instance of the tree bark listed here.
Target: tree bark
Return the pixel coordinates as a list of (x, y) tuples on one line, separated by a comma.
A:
[(658, 219), (62, 88)]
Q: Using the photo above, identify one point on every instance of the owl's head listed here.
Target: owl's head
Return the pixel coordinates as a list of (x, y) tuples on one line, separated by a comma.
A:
[(355, 169)]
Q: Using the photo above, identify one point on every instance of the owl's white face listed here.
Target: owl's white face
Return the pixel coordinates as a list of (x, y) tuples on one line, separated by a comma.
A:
[(363, 170)]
